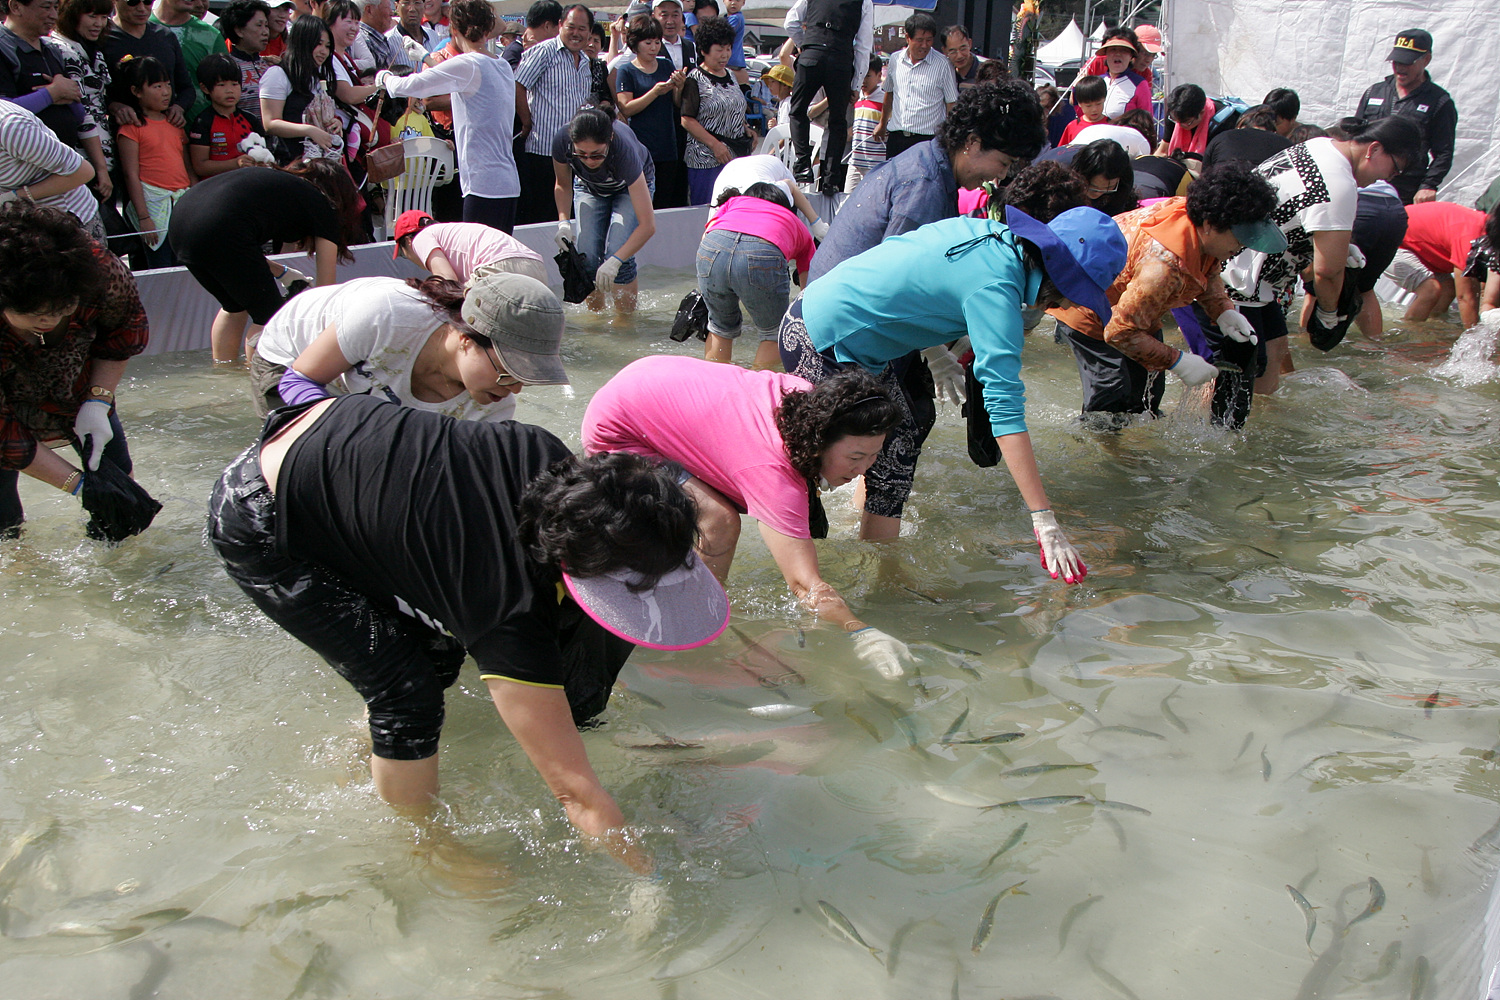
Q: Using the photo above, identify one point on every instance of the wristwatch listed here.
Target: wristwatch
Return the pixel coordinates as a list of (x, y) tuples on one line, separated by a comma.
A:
[(102, 394)]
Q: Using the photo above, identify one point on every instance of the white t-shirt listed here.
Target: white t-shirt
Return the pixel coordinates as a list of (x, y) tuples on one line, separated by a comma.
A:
[(1315, 193), (1135, 144), (276, 84), (382, 325), (483, 89), (743, 171)]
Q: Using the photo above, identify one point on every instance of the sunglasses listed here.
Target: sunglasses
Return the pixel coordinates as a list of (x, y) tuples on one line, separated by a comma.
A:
[(503, 379), (132, 3), (591, 157)]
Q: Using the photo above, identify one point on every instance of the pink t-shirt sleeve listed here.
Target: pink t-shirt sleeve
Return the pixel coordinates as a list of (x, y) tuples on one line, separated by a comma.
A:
[(425, 242), (777, 497)]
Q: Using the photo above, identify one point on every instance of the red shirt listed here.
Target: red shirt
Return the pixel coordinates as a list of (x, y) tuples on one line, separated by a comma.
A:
[(1075, 126), (221, 135), (1440, 232), (274, 47)]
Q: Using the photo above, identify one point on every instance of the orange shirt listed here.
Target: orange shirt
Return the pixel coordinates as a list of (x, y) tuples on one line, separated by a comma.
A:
[(161, 150)]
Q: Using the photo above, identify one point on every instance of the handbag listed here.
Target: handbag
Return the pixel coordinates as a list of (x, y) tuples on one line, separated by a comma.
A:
[(692, 318), (738, 145), (385, 162), (578, 283)]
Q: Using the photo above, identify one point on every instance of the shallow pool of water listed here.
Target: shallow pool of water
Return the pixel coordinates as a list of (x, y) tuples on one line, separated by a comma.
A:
[(1281, 671)]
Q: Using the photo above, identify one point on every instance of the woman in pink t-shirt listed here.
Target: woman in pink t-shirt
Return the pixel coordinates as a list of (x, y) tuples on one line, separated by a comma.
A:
[(742, 262), (758, 443)]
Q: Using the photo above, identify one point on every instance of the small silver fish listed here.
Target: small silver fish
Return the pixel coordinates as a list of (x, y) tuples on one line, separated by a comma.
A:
[(1249, 738), (783, 711), (1039, 802), (1265, 765), (1121, 806), (842, 925), (1377, 731), (1035, 769), (1171, 716), (1132, 730), (1421, 975), (987, 922), (1011, 841), (956, 724), (862, 722), (898, 939), (1074, 912), (1307, 912), (993, 740), (1377, 903), (1388, 960)]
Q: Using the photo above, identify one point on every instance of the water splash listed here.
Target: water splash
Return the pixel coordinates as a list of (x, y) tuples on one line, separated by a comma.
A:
[(1469, 362)]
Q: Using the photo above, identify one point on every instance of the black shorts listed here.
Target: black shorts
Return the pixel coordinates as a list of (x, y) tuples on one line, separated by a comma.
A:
[(1379, 228), (238, 277)]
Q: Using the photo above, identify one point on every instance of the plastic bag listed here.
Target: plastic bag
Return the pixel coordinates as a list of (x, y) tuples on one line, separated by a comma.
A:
[(692, 318), (578, 283), (118, 506)]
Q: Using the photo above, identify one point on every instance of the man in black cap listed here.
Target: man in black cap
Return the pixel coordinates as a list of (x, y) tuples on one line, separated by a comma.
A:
[(1409, 91)]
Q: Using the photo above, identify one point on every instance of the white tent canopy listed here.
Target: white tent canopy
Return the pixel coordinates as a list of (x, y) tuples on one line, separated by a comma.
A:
[(1066, 48), (1330, 51)]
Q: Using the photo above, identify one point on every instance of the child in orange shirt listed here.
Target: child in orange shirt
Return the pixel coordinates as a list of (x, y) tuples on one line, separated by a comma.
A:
[(1088, 95), (153, 157)]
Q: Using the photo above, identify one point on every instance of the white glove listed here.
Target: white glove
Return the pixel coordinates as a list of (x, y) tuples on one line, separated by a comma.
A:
[(1192, 369), (604, 278), (1235, 326), (1326, 317), (1490, 319), (648, 904), (92, 427), (1356, 257), (884, 652), (947, 374), (1058, 554), (564, 232), (819, 230), (290, 275), (382, 80)]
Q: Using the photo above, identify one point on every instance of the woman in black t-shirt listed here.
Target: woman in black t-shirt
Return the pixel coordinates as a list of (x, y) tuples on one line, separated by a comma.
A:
[(220, 225)]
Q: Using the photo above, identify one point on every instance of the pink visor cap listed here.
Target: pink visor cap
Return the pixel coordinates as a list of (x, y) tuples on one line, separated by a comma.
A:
[(685, 609)]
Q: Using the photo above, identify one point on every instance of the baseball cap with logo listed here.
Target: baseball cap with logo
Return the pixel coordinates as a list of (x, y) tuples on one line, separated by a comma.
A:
[(1411, 46)]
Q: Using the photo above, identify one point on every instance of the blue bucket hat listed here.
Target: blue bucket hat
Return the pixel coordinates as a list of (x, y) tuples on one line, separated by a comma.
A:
[(1083, 252)]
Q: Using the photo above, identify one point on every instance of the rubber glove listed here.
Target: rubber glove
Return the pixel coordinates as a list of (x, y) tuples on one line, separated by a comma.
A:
[(947, 374), (1235, 326), (382, 79), (884, 652), (1192, 369), (648, 904), (1327, 318), (1356, 257), (604, 278), (1490, 319), (819, 230), (290, 275), (1058, 554), (564, 235), (93, 430), (6, 197)]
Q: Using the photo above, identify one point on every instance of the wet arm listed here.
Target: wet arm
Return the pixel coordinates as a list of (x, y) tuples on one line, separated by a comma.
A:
[(1020, 460), (797, 558), (645, 219), (542, 723), (1466, 290), (1330, 251), (1491, 298)]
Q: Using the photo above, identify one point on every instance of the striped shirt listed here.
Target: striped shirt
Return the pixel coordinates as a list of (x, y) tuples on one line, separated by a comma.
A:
[(30, 153), (556, 88), (920, 92)]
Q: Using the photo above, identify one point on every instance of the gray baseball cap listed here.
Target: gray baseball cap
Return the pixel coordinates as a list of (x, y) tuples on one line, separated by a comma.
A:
[(524, 320)]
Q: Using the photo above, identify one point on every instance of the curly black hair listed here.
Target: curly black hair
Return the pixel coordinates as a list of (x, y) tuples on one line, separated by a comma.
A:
[(1003, 115), (851, 403), (47, 261), (1046, 190), (711, 31), (1228, 194), (609, 512)]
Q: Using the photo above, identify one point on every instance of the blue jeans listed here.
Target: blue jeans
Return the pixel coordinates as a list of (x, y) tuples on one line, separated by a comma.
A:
[(737, 269), (604, 224), (11, 513)]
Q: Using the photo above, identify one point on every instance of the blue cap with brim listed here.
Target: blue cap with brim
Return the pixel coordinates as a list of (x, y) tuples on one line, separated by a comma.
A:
[(1261, 234), (1083, 252)]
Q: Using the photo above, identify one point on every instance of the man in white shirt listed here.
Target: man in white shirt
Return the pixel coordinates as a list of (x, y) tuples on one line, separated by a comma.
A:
[(920, 89), (674, 44)]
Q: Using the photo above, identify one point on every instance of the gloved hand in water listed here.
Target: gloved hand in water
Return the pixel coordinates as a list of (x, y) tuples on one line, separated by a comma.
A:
[(118, 505), (604, 278), (648, 905), (947, 374), (1059, 557), (1235, 326), (564, 236), (1192, 369), (885, 653), (93, 430)]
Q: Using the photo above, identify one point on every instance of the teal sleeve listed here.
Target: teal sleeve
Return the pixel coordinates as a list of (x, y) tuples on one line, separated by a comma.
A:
[(996, 333)]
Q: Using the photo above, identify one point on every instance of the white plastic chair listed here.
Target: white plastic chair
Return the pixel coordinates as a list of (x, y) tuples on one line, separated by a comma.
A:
[(778, 142), (429, 163)]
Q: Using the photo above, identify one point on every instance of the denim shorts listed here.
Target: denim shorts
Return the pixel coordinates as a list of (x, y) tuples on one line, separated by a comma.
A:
[(736, 269), (604, 224)]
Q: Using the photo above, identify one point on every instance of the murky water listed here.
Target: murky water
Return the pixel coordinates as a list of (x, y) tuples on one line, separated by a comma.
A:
[(1281, 672)]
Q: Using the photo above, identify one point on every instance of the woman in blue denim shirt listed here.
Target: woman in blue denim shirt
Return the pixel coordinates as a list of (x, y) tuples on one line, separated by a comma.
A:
[(607, 175)]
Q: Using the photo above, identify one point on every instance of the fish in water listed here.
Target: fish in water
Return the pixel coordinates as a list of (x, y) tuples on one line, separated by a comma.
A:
[(1170, 715), (1039, 802), (1265, 765), (1388, 960), (782, 711), (1132, 730), (862, 722), (917, 593), (1074, 912), (986, 926), (1249, 738), (993, 740), (1430, 701), (1011, 841), (1377, 903), (1121, 806), (1035, 769), (1421, 976), (1307, 912), (667, 743), (957, 723), (897, 940), (844, 928)]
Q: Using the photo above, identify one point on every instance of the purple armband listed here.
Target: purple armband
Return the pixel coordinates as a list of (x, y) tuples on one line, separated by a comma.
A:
[(36, 102), (296, 388)]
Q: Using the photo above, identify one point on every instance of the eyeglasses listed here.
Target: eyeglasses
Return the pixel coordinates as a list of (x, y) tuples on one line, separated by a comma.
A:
[(1100, 192), (132, 3), (503, 379), (592, 157)]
